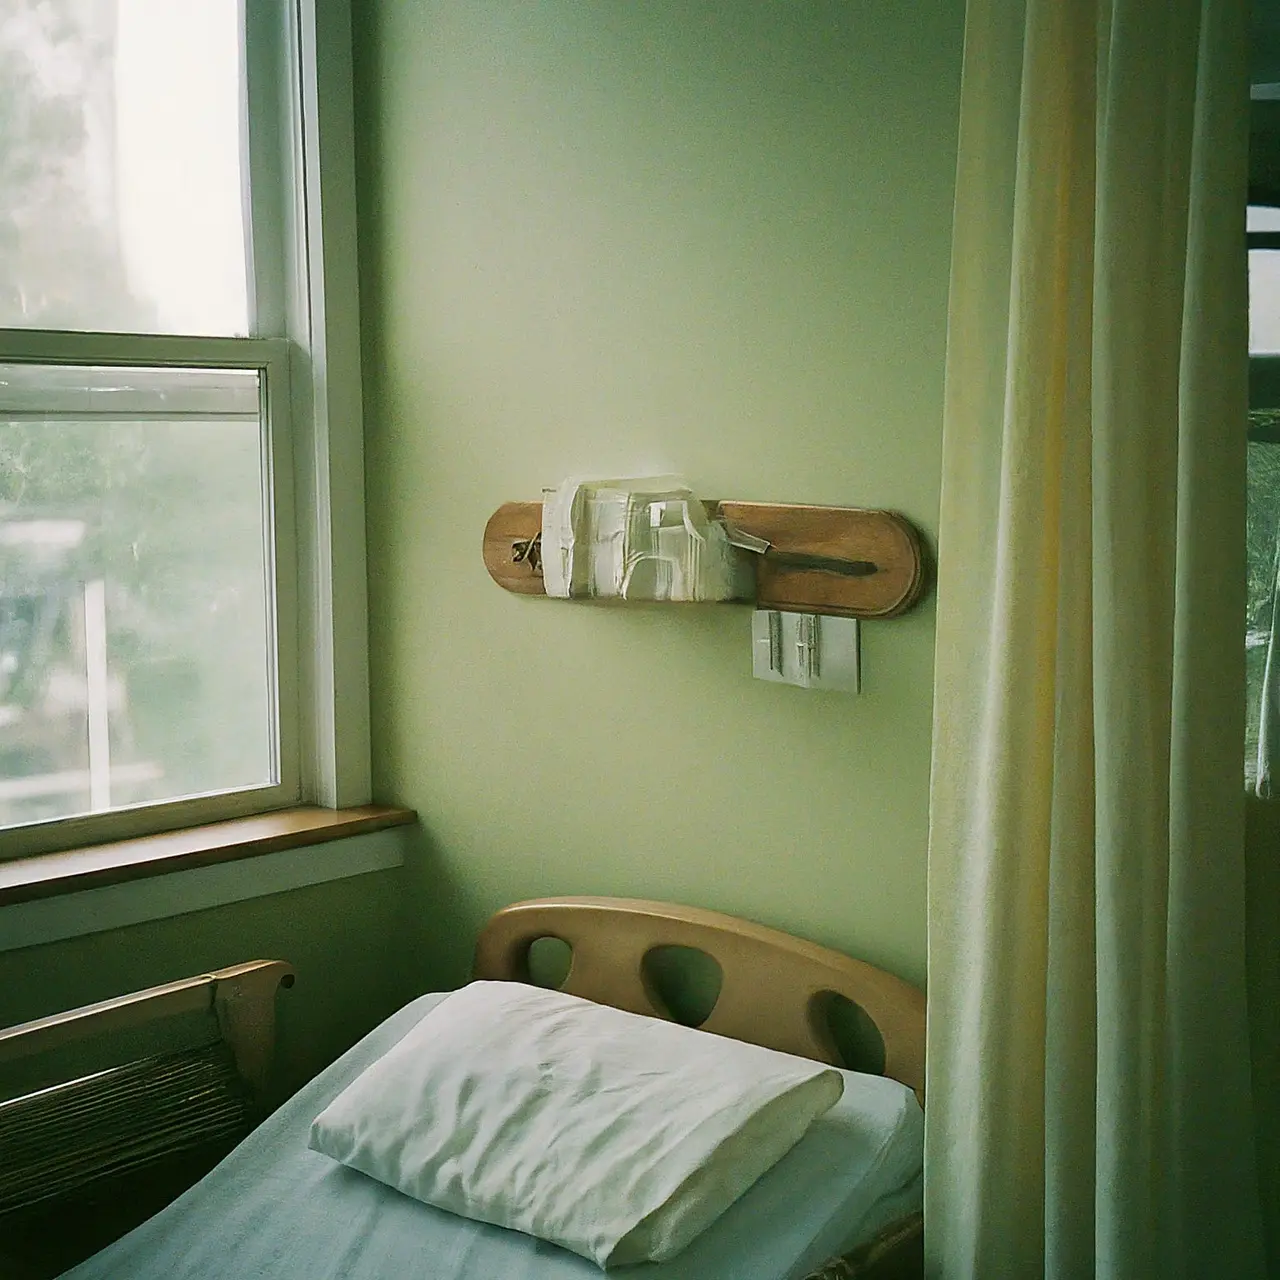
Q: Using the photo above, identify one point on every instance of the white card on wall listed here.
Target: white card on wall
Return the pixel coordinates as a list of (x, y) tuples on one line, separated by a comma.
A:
[(809, 650)]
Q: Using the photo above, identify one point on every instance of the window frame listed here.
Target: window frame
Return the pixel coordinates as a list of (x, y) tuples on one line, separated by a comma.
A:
[(306, 344)]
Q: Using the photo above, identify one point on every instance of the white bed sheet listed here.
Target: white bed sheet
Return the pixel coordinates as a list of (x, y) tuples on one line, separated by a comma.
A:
[(274, 1208)]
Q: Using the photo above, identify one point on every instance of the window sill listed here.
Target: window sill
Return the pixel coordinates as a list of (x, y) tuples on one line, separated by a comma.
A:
[(59, 895), (48, 874)]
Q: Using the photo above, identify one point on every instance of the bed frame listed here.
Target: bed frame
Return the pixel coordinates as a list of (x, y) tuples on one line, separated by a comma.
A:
[(772, 993)]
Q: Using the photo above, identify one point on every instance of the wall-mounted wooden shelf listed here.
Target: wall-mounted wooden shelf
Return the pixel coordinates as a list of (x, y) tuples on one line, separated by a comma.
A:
[(848, 562)]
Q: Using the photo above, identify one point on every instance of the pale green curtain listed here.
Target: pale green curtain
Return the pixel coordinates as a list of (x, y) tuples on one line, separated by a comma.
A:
[(1088, 1083)]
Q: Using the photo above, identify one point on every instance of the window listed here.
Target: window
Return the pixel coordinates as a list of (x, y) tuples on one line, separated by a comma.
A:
[(180, 436), (1262, 662)]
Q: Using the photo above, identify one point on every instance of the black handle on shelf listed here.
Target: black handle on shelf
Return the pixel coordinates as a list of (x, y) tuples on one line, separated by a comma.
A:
[(823, 564)]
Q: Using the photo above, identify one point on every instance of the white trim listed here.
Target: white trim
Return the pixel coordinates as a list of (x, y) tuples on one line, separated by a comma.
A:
[(29, 924), (333, 583), (143, 350), (269, 124), (280, 565)]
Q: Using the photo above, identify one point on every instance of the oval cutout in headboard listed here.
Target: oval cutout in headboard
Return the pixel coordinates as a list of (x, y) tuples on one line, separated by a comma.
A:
[(550, 959), (683, 982), (857, 1040)]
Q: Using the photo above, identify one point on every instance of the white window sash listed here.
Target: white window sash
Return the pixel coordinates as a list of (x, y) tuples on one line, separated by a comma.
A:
[(270, 357)]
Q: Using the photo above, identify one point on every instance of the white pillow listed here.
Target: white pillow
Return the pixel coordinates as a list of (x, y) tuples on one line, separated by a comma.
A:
[(617, 1136)]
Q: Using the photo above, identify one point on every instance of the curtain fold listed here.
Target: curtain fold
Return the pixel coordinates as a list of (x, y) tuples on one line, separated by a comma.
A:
[(1089, 1108)]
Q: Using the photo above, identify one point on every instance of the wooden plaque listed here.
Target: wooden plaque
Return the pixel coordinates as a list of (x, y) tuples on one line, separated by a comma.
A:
[(883, 538), (512, 529), (885, 546)]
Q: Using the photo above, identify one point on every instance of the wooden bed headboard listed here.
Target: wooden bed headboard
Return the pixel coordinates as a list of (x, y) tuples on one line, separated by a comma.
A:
[(773, 986)]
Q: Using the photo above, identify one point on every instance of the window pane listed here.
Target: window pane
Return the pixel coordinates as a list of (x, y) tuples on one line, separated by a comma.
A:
[(135, 641), (1263, 529), (122, 193), (1262, 217), (1264, 301)]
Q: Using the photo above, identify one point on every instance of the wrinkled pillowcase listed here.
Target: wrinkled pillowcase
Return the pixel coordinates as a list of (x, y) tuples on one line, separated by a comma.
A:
[(617, 1136)]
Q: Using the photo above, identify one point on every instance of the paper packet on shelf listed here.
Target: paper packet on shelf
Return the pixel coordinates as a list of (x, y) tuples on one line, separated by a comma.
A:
[(638, 539)]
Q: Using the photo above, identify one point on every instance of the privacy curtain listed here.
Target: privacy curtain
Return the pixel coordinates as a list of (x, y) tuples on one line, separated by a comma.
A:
[(1088, 1083)]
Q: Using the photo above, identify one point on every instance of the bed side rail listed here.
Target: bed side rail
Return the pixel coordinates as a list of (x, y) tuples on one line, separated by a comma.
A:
[(242, 997)]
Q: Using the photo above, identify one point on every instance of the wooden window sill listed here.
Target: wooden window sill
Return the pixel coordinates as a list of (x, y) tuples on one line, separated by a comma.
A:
[(50, 875)]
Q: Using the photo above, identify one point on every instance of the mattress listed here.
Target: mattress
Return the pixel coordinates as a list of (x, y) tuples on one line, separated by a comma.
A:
[(274, 1208)]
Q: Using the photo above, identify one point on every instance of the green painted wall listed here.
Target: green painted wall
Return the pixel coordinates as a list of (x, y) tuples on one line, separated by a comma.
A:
[(614, 239)]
